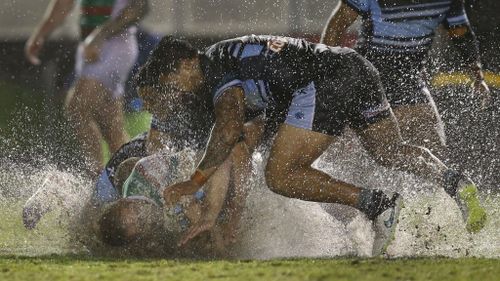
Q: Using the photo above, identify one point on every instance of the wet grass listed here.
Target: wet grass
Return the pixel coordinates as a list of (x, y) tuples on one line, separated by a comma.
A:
[(82, 268), (50, 247)]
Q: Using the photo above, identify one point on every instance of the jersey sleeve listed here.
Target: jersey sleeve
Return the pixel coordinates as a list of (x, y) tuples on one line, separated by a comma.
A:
[(360, 6), (227, 82), (456, 15)]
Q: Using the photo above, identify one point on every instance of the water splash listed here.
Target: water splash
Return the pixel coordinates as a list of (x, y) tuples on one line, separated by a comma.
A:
[(273, 226)]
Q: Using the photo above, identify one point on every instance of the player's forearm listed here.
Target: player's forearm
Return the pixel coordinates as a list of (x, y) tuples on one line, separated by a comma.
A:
[(216, 192), (56, 13), (227, 131), (223, 139), (132, 14)]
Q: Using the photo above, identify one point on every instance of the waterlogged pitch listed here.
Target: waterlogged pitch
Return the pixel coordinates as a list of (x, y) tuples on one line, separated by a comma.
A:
[(74, 268), (430, 242)]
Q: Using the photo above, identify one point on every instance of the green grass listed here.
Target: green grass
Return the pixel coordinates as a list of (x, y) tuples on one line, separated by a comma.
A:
[(74, 268), (135, 123)]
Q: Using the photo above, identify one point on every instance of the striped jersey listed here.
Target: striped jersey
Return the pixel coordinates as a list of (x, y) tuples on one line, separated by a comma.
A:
[(94, 13), (269, 69), (405, 26)]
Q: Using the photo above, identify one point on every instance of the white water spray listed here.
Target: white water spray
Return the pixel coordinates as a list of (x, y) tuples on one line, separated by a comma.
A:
[(273, 225)]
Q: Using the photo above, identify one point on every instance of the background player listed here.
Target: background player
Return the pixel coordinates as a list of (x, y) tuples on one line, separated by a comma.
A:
[(104, 58), (396, 37)]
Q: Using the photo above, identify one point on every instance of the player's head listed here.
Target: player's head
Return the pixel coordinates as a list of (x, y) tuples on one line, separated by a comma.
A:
[(128, 221), (174, 65)]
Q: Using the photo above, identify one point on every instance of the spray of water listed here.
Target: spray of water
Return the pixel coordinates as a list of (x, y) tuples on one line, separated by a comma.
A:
[(273, 226)]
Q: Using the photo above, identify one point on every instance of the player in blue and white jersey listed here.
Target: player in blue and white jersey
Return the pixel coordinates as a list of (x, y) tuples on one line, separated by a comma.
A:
[(312, 92), (396, 37)]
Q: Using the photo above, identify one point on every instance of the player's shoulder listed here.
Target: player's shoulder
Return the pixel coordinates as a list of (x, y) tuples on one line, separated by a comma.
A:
[(360, 6)]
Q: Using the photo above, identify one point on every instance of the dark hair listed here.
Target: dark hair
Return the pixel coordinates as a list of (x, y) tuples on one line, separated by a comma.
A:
[(164, 59), (130, 220)]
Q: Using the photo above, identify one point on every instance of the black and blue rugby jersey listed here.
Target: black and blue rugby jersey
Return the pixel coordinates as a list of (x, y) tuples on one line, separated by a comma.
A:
[(136, 147), (405, 26), (268, 68)]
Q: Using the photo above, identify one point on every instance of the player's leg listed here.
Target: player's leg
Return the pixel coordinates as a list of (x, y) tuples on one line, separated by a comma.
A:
[(111, 121), (289, 171), (383, 141), (421, 125), (81, 105)]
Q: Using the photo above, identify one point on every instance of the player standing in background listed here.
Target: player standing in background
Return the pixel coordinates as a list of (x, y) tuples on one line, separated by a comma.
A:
[(104, 58), (396, 37)]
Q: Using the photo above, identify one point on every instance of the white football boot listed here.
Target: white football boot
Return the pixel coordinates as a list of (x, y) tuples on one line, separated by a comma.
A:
[(384, 225)]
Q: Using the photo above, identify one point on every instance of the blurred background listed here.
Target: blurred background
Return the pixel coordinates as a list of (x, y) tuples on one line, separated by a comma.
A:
[(33, 128)]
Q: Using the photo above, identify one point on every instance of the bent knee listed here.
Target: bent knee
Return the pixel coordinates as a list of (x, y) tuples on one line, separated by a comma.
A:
[(276, 176)]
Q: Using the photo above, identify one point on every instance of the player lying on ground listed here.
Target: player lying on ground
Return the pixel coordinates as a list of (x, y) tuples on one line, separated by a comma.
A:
[(176, 128), (139, 216), (312, 92), (175, 134)]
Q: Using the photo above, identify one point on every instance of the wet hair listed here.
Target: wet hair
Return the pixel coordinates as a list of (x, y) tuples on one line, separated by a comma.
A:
[(164, 59), (127, 221)]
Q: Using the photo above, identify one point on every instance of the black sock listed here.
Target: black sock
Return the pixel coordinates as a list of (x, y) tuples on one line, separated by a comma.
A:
[(450, 181), (373, 202)]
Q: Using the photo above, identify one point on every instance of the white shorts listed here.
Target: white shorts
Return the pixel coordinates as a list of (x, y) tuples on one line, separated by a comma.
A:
[(117, 57)]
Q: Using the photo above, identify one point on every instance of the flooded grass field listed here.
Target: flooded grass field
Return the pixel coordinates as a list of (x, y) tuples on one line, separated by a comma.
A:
[(281, 238)]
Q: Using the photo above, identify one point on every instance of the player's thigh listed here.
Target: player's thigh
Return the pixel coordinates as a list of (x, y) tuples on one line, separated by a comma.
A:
[(84, 99), (295, 148), (111, 119)]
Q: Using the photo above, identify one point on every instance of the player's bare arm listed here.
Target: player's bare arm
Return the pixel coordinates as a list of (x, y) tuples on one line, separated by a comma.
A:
[(216, 191), (56, 13), (342, 17), (228, 128), (229, 124)]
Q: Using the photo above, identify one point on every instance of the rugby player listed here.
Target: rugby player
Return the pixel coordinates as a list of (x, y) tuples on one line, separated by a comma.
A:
[(168, 129), (139, 215), (105, 56), (396, 37), (312, 92)]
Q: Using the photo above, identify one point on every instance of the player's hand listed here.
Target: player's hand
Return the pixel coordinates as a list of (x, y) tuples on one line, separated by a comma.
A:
[(32, 49), (202, 226), (91, 51), (482, 90), (173, 193)]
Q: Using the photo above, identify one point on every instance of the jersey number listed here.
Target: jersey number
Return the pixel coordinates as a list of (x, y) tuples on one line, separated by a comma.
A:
[(276, 45)]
